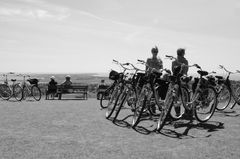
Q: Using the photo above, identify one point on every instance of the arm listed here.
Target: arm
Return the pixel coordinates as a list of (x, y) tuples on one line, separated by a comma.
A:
[(147, 63)]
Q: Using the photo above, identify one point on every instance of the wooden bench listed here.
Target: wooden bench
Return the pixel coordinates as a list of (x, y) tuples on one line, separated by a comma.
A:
[(73, 89)]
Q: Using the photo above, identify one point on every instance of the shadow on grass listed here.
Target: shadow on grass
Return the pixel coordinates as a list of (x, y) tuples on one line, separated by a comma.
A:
[(140, 129), (210, 126), (227, 113), (122, 122), (70, 99)]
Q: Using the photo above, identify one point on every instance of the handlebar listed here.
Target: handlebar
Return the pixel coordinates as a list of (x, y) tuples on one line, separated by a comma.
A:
[(174, 58), (170, 57), (122, 64), (229, 72)]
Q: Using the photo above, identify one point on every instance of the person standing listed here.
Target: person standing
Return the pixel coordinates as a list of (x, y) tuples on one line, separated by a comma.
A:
[(154, 62), (176, 69), (179, 61)]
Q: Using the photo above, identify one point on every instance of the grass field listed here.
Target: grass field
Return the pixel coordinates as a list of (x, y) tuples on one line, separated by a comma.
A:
[(74, 129)]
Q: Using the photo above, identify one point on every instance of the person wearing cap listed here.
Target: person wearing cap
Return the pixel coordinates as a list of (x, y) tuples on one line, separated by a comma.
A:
[(154, 62), (52, 87), (67, 81)]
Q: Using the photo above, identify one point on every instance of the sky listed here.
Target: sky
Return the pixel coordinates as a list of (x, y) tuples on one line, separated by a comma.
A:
[(84, 36)]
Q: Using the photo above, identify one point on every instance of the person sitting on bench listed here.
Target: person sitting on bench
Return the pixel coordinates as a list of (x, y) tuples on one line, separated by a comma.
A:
[(52, 87), (67, 84)]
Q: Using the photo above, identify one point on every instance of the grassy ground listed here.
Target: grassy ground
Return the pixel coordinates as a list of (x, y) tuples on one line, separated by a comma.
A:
[(78, 129)]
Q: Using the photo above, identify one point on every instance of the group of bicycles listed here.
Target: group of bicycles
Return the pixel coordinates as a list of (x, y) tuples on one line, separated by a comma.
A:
[(28, 88), (168, 96)]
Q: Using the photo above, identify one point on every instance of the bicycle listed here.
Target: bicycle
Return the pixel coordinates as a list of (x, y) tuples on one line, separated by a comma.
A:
[(149, 99), (131, 89), (9, 91), (31, 89), (116, 91), (228, 90), (204, 96)]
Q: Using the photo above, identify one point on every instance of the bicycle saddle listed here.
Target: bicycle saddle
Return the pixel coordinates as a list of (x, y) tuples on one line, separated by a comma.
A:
[(186, 79), (219, 77), (202, 73), (140, 74), (13, 80)]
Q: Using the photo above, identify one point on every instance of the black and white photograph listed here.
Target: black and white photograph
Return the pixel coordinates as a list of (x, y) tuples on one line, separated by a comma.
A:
[(119, 79)]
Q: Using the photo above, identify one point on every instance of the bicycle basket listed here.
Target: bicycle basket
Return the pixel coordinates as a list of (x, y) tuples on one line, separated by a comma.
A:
[(33, 81), (114, 75)]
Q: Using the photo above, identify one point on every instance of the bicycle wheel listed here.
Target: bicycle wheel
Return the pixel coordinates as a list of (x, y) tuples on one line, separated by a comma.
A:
[(165, 112), (5, 92), (205, 104), (223, 98), (105, 97), (153, 108), (178, 108), (36, 92), (236, 94), (113, 102), (26, 92), (17, 92), (122, 100), (139, 108)]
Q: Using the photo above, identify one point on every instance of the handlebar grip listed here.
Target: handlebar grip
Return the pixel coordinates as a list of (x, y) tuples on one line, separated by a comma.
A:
[(126, 64), (168, 56), (141, 61), (114, 60), (197, 66)]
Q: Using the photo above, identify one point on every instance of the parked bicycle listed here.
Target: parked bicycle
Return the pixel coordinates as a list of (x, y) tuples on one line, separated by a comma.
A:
[(131, 90), (151, 96), (227, 91), (7, 91), (31, 89), (116, 89), (202, 102)]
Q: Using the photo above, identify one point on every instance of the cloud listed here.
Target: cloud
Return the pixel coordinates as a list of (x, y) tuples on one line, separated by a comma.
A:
[(35, 9)]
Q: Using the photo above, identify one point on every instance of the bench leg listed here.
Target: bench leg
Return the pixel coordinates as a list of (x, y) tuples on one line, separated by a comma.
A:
[(59, 96)]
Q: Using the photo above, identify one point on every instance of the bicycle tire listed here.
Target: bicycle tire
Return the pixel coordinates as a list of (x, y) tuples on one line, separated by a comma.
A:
[(17, 92), (36, 92), (110, 108), (202, 99), (183, 98), (5, 92), (221, 97), (235, 102), (153, 108), (235, 95), (26, 92), (139, 108), (164, 113), (104, 95), (121, 101)]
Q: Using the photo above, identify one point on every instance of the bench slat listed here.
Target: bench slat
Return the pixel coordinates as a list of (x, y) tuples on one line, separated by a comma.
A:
[(73, 89)]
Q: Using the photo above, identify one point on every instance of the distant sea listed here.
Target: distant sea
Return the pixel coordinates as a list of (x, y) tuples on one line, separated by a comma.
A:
[(87, 78)]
